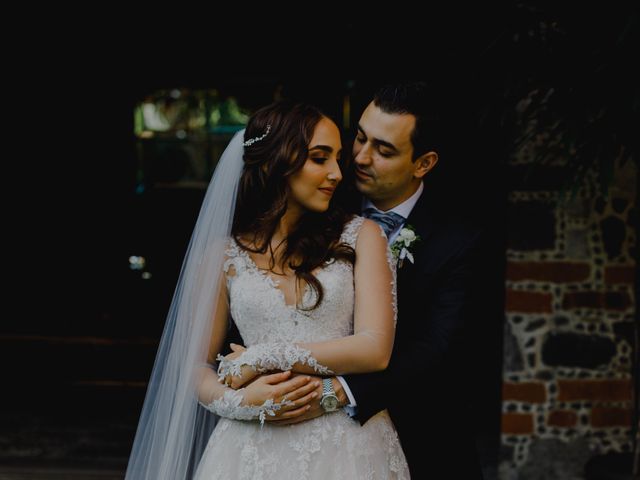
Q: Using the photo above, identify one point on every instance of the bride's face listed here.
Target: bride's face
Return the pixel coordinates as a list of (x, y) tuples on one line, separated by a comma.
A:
[(312, 187)]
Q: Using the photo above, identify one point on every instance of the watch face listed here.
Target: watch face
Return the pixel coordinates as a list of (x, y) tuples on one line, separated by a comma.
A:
[(330, 403)]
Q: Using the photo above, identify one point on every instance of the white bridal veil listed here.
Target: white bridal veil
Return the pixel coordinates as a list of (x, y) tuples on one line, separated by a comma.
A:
[(173, 428)]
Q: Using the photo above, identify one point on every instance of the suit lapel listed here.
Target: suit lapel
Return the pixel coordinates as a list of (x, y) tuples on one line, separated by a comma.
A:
[(423, 223), (421, 219)]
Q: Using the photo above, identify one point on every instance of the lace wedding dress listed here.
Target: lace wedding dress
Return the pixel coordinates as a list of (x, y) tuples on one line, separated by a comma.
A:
[(332, 446)]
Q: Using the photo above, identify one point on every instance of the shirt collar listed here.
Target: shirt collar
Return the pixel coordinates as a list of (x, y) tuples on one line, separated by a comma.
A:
[(404, 208)]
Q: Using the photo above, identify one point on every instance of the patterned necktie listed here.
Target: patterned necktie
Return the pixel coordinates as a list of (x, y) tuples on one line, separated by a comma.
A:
[(389, 221)]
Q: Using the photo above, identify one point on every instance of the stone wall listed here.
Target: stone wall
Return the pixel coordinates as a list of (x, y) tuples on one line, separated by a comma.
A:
[(568, 338)]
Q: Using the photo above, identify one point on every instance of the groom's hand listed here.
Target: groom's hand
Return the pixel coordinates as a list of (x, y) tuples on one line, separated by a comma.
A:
[(314, 408)]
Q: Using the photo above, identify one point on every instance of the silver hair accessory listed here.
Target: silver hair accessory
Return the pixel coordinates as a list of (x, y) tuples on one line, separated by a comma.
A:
[(253, 140)]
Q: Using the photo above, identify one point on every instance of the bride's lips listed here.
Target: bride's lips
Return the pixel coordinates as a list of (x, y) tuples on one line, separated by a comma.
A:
[(327, 191)]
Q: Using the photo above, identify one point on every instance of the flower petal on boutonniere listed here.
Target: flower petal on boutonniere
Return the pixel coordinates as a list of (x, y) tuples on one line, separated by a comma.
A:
[(400, 247), (410, 256)]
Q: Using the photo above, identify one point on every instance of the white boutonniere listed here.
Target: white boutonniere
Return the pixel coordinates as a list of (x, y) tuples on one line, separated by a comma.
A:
[(402, 243)]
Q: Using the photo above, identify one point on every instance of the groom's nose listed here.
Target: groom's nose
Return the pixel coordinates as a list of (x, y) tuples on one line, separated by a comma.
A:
[(363, 156)]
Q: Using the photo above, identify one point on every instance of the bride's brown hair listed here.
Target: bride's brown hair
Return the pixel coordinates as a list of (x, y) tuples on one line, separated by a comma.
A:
[(263, 190)]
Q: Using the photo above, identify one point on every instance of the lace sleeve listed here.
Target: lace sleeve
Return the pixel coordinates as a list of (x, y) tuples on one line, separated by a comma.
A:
[(264, 357), (227, 403)]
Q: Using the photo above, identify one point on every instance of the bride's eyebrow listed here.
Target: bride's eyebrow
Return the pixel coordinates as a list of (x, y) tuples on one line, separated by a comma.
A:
[(324, 148)]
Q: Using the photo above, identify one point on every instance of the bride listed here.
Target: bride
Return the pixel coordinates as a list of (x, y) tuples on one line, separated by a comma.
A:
[(311, 290)]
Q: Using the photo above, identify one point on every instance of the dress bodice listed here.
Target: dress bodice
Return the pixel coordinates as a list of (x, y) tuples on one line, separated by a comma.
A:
[(259, 309), (329, 446)]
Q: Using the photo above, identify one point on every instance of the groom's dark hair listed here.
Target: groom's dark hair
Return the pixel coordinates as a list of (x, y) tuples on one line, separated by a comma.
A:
[(414, 98)]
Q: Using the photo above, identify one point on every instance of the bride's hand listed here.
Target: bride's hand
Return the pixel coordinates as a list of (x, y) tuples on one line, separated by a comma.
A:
[(248, 373), (279, 387), (236, 382)]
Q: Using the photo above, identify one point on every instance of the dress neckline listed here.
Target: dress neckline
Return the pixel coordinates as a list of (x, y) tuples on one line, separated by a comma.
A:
[(273, 284)]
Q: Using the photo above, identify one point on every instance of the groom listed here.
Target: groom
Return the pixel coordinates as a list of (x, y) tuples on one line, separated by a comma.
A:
[(394, 151), (423, 389)]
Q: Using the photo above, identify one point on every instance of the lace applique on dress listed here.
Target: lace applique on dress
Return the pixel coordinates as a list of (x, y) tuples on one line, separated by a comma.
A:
[(230, 406), (351, 230), (234, 261), (266, 357)]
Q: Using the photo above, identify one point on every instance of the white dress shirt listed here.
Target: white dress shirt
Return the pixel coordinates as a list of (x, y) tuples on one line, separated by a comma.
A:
[(403, 209)]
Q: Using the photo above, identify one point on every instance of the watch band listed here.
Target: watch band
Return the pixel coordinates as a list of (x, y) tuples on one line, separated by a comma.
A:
[(327, 387)]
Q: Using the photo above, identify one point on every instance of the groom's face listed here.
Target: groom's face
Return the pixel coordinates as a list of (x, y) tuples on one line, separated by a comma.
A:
[(383, 153)]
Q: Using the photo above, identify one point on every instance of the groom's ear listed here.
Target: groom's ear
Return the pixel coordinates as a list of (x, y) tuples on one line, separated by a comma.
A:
[(424, 163)]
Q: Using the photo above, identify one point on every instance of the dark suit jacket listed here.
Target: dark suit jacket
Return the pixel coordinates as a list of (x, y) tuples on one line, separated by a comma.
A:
[(431, 350)]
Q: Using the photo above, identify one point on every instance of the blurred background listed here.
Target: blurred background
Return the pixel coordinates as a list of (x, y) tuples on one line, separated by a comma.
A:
[(541, 105)]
